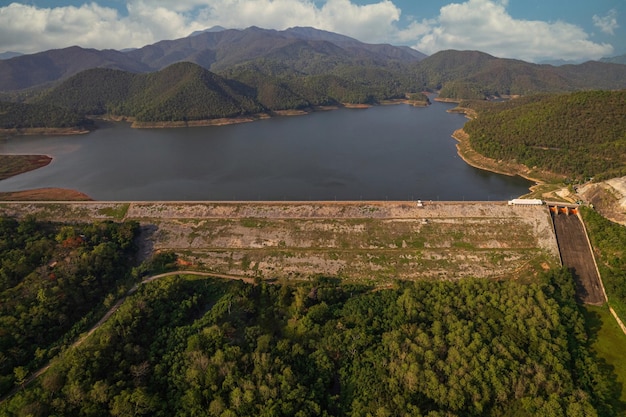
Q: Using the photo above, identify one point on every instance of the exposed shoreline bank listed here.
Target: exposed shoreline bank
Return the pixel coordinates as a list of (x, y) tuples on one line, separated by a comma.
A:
[(45, 131), (14, 164), (223, 121), (511, 169), (44, 194), (473, 158), (477, 160)]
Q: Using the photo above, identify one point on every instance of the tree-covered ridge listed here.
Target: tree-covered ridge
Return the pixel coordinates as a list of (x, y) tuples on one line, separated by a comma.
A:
[(51, 278), (182, 91), (476, 75), (25, 116), (273, 92), (186, 91), (579, 135), (185, 346)]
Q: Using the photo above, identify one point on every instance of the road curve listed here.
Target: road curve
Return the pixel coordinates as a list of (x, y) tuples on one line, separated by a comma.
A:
[(112, 310)]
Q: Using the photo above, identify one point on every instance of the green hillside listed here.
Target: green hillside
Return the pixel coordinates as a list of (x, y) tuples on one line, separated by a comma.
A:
[(183, 91), (186, 91), (52, 281), (476, 75), (275, 92), (298, 74), (328, 83), (27, 116), (187, 346), (579, 135)]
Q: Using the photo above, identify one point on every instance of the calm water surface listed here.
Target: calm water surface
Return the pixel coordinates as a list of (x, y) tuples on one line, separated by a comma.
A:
[(388, 152)]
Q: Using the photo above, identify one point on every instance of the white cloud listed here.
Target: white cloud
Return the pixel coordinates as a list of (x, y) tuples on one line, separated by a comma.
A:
[(485, 25), (27, 28), (476, 24), (608, 23)]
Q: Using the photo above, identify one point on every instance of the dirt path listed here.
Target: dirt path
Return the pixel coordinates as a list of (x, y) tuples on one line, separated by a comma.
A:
[(112, 311)]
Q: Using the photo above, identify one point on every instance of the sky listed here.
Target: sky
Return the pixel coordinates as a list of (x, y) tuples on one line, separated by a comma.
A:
[(530, 30)]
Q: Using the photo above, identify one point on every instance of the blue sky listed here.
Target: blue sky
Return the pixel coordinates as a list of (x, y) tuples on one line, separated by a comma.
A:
[(531, 30)]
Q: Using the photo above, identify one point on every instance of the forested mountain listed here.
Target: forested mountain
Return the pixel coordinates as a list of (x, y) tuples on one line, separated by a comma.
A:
[(182, 91), (278, 93), (305, 49), (26, 71), (186, 91), (224, 49), (297, 52), (476, 75), (579, 135)]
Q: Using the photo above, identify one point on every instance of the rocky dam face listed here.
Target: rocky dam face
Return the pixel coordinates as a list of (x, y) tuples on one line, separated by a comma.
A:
[(374, 242)]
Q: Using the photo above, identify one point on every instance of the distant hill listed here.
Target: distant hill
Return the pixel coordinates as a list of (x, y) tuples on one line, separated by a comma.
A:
[(621, 59), (473, 74), (46, 67), (182, 91), (218, 50), (10, 54), (211, 29)]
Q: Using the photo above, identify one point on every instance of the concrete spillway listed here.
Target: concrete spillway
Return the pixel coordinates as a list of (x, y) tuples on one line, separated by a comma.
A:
[(576, 255)]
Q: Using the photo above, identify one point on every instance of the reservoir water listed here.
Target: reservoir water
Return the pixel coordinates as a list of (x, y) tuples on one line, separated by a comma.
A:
[(394, 152)]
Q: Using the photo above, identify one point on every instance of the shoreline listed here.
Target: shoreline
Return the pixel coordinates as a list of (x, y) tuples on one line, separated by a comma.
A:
[(44, 131), (44, 194), (15, 164), (259, 116), (198, 123), (463, 147), (223, 121), (477, 160), (465, 150)]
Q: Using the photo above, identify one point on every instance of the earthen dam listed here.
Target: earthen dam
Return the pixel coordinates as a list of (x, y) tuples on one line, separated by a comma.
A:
[(371, 241)]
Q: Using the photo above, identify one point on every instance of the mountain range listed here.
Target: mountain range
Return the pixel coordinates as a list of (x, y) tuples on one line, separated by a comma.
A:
[(620, 59), (228, 73), (213, 50)]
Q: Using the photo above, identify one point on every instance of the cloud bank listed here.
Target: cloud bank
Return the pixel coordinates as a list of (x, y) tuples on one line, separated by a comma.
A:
[(475, 24), (485, 25)]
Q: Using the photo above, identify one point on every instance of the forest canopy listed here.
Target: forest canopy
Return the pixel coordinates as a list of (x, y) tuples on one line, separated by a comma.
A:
[(186, 346), (579, 135), (52, 279), (24, 116)]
